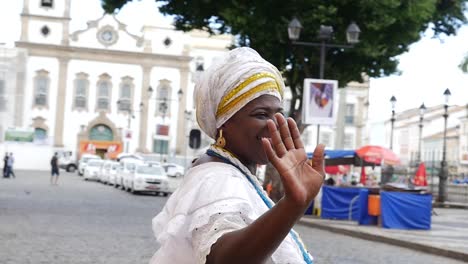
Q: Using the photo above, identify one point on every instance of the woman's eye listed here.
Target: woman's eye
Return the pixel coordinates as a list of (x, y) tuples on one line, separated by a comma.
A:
[(262, 115)]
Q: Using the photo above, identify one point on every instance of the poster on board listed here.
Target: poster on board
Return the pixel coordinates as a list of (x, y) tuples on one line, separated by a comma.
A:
[(319, 101)]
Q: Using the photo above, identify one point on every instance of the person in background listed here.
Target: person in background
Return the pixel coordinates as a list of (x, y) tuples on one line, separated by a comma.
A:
[(55, 170), (11, 162), (5, 165)]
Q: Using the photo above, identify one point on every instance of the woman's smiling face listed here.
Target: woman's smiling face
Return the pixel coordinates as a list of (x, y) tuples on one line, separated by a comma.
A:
[(244, 130)]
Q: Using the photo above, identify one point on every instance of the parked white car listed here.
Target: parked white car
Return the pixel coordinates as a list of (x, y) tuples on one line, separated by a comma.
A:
[(112, 173), (150, 178), (106, 170), (173, 170), (83, 162), (124, 175), (92, 170)]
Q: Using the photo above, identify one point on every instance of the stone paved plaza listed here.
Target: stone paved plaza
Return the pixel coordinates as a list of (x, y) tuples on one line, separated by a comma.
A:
[(88, 222)]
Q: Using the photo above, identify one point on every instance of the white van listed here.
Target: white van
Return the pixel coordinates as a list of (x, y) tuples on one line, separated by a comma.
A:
[(125, 173)]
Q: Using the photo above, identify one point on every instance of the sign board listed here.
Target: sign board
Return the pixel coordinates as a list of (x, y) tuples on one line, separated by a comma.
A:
[(319, 101), (19, 135), (162, 130), (110, 148)]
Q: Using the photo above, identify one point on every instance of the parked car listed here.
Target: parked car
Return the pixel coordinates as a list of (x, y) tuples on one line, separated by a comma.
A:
[(84, 160), (106, 170), (67, 161), (92, 169), (173, 170), (112, 173), (127, 167), (149, 178)]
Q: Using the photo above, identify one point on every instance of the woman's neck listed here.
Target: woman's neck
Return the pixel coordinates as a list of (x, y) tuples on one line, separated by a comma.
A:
[(252, 167)]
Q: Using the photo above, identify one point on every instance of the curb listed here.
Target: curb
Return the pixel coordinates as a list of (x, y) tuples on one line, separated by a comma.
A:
[(450, 205), (392, 241)]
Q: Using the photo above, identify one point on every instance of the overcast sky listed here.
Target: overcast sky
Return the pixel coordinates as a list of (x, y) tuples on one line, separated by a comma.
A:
[(427, 69)]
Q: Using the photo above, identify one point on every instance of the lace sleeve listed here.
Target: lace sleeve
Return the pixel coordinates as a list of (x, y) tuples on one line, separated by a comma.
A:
[(218, 224)]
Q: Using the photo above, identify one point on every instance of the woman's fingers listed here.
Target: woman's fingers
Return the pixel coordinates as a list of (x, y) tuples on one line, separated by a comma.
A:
[(295, 134), (276, 140), (271, 154), (318, 159), (283, 127)]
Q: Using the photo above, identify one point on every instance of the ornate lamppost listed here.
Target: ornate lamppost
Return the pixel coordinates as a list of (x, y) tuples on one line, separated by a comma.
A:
[(422, 110), (125, 107), (325, 34), (392, 120), (443, 174)]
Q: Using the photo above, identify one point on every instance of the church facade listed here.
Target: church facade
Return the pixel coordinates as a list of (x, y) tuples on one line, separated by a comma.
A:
[(102, 89)]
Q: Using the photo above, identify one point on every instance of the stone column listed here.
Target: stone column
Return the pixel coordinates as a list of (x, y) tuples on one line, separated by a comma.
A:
[(360, 123), (66, 24), (181, 124), (19, 91), (145, 83), (60, 103), (340, 120)]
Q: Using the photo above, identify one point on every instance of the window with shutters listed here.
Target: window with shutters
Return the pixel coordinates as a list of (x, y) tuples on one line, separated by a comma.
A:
[(80, 101), (126, 94), (3, 100), (103, 93), (47, 3), (41, 89), (349, 116)]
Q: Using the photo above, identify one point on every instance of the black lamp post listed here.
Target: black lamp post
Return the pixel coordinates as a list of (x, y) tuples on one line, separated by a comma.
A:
[(163, 105), (392, 120), (325, 34), (422, 110), (443, 175), (130, 115)]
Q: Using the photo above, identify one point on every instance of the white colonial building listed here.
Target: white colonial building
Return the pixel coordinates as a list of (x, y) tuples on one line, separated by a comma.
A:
[(407, 140), (98, 88)]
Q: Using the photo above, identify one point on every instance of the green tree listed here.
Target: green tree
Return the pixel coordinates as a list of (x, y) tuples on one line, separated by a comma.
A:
[(388, 28)]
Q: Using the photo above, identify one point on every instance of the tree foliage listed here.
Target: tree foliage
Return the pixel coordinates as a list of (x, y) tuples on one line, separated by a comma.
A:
[(388, 27)]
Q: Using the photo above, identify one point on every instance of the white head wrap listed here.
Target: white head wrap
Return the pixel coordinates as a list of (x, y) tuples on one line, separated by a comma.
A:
[(231, 82)]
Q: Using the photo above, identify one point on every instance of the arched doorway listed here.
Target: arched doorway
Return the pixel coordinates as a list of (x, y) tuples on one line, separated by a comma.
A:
[(100, 137)]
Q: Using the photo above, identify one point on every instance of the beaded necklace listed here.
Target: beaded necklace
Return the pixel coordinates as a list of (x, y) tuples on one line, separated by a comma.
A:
[(229, 158)]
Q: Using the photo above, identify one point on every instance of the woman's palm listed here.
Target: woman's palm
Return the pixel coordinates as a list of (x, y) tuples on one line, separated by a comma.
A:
[(302, 178)]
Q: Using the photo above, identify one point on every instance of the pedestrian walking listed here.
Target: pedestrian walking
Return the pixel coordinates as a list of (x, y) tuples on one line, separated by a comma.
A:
[(5, 165), (55, 170), (10, 163)]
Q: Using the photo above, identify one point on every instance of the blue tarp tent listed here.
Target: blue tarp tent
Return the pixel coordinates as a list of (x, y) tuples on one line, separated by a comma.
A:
[(336, 202), (402, 210)]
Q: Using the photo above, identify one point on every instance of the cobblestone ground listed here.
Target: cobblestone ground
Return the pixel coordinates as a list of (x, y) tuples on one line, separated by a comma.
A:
[(88, 222)]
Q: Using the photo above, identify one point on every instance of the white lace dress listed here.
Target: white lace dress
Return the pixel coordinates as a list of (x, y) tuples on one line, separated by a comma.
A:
[(214, 198)]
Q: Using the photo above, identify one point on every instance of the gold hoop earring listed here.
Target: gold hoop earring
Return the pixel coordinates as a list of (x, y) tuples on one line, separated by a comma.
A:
[(221, 141)]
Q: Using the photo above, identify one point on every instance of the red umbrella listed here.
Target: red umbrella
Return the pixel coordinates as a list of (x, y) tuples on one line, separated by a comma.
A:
[(377, 155), (420, 179)]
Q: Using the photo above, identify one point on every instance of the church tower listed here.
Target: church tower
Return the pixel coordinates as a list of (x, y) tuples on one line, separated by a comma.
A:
[(45, 21)]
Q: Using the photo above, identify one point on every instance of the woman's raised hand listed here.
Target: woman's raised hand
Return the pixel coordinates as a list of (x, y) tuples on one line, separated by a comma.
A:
[(301, 178)]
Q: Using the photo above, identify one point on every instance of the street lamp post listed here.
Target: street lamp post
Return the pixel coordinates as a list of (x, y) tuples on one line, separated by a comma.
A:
[(130, 115), (443, 174), (324, 35), (422, 110), (388, 173), (392, 120), (163, 107)]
